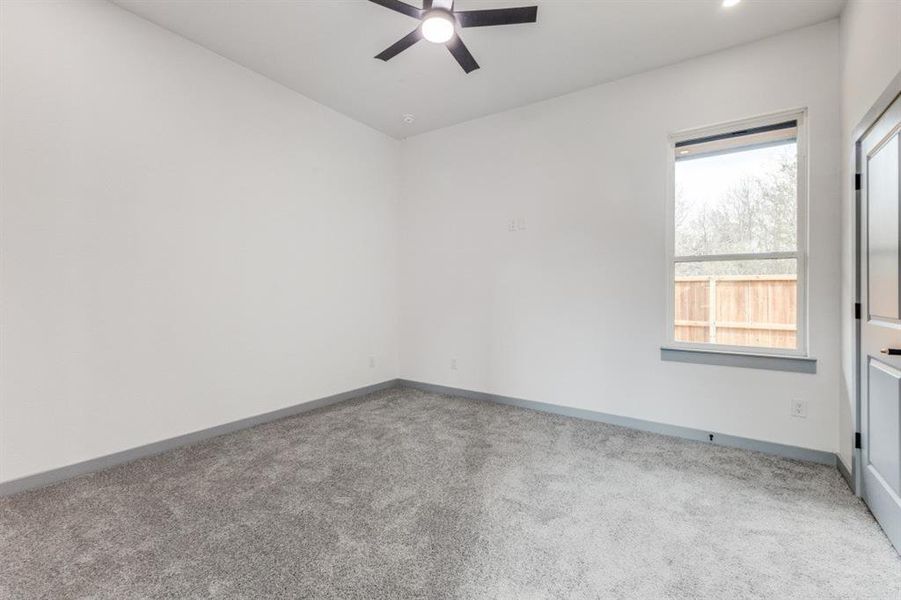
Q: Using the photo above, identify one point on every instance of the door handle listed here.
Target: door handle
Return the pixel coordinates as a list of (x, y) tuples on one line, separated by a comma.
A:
[(891, 351)]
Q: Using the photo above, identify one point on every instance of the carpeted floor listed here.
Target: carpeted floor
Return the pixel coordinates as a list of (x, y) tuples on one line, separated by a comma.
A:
[(405, 494)]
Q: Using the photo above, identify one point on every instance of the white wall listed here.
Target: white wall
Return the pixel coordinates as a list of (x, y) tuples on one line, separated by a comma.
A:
[(184, 242), (870, 59), (571, 310)]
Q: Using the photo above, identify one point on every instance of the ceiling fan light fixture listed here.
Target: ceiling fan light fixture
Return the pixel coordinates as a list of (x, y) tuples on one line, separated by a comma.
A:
[(438, 23), (438, 27)]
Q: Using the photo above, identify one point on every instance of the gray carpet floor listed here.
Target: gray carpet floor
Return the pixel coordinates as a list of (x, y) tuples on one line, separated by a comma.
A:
[(405, 494)]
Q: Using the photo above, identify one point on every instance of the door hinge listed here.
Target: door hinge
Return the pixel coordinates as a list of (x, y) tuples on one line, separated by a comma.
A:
[(857, 181), (857, 310), (857, 440)]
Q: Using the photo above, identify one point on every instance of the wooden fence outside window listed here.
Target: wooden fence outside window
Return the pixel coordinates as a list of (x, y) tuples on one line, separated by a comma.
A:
[(738, 310)]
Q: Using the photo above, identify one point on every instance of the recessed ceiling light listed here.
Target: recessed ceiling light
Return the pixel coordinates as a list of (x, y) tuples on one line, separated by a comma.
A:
[(730, 3), (408, 118), (438, 26)]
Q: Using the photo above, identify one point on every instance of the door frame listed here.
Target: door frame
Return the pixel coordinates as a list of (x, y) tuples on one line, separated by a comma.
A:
[(863, 127)]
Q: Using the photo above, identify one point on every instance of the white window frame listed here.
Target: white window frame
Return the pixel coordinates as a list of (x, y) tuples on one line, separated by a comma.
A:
[(800, 255)]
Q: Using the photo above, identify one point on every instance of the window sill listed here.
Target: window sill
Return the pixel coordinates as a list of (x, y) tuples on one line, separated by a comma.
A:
[(772, 362)]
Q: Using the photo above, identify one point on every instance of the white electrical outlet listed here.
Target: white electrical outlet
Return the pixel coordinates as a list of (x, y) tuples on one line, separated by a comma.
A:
[(453, 364), (516, 224), (371, 362), (799, 409)]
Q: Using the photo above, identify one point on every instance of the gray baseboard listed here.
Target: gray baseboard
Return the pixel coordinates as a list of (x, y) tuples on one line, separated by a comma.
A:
[(698, 435), (846, 474), (110, 460), (104, 462)]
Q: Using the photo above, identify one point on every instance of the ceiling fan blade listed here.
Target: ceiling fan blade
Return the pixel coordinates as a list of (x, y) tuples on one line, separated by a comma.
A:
[(400, 45), (497, 16), (462, 54), (401, 7)]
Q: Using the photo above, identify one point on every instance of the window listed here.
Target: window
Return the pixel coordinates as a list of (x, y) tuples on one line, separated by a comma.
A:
[(737, 225)]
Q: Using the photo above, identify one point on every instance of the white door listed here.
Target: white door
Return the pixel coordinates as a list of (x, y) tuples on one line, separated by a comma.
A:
[(880, 342)]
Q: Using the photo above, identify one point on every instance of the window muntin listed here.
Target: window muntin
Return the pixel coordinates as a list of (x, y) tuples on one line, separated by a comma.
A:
[(736, 258)]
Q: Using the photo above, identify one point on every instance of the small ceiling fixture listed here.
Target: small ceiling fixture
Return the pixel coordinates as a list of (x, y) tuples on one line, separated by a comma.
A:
[(438, 27), (730, 3), (408, 118), (439, 23)]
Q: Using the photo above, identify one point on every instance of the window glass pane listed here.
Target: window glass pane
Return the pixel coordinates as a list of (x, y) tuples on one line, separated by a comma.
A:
[(737, 200), (738, 303)]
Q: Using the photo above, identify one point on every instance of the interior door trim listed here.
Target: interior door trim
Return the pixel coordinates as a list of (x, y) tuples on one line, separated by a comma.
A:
[(885, 100)]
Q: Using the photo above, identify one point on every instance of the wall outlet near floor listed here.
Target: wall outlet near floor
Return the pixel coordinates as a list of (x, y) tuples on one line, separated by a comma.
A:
[(371, 362), (799, 409), (453, 364)]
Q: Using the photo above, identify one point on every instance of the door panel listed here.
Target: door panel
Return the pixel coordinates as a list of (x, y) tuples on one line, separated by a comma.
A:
[(880, 331), (883, 226), (885, 423)]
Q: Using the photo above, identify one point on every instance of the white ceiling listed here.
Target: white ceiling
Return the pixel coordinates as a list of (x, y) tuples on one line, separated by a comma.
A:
[(324, 48)]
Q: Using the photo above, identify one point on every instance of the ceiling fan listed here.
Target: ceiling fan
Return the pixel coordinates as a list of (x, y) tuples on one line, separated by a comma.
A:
[(439, 22)]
